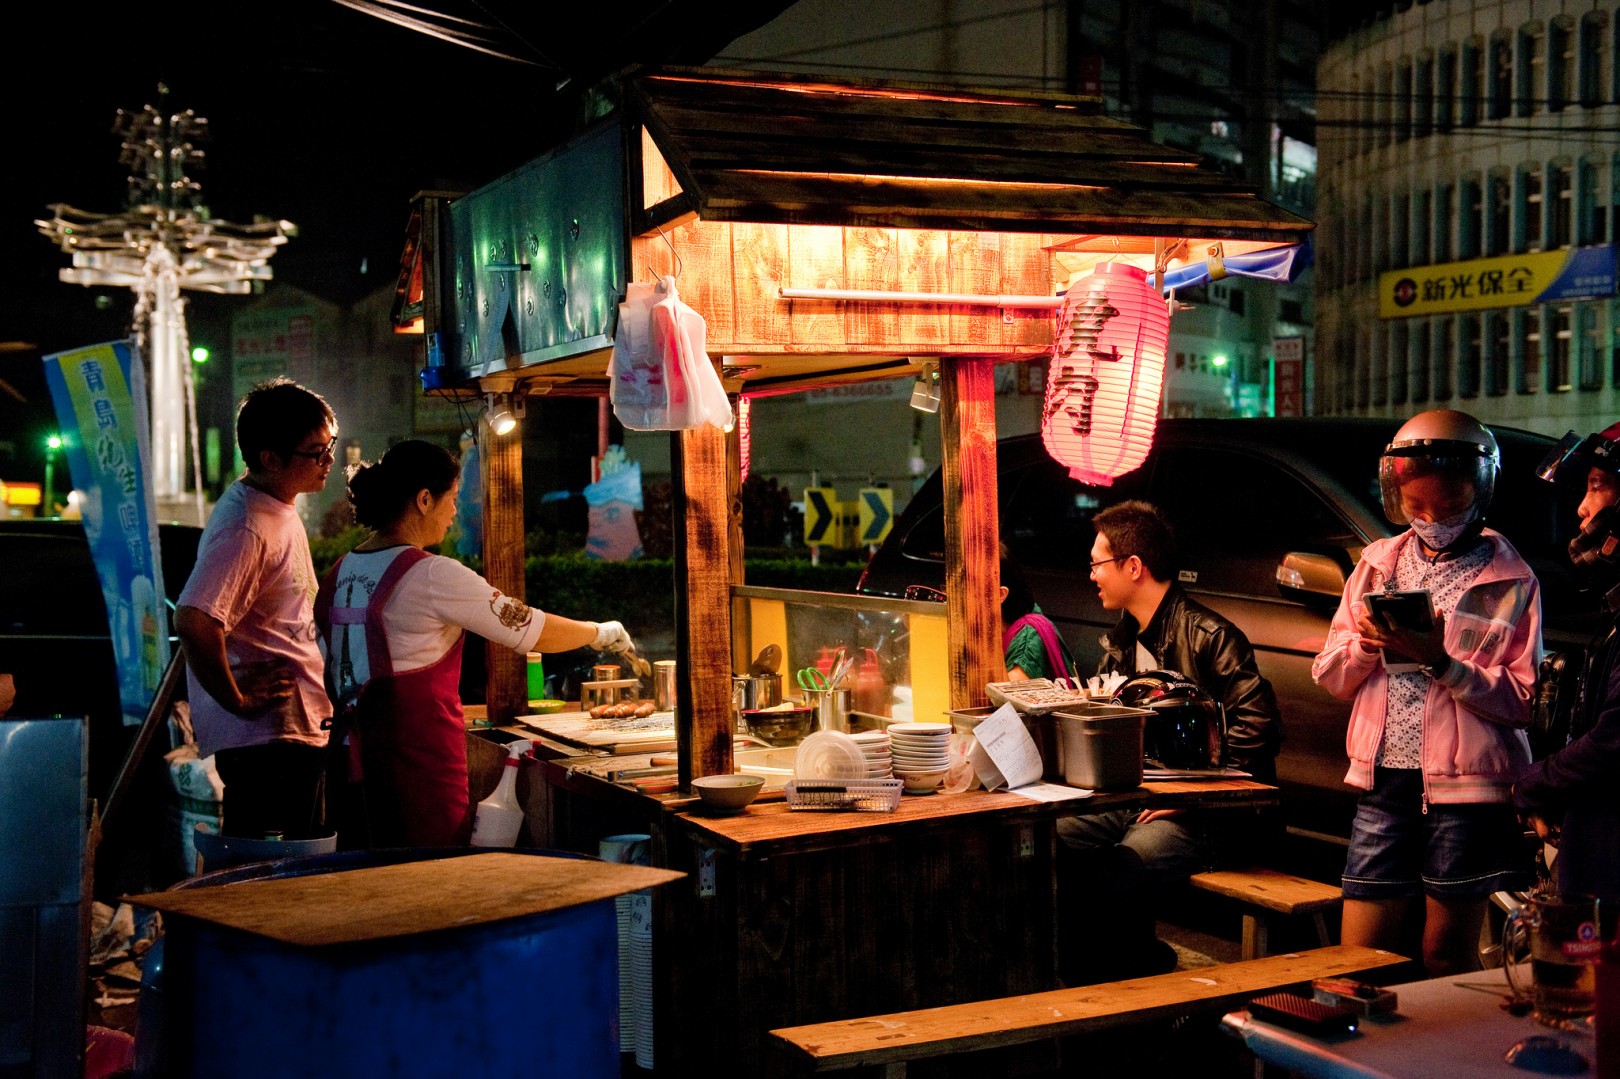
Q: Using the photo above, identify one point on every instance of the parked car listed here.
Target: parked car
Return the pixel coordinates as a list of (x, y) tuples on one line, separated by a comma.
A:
[(1271, 516), (54, 637)]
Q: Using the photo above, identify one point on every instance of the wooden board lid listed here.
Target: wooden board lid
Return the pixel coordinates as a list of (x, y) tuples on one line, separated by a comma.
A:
[(382, 902)]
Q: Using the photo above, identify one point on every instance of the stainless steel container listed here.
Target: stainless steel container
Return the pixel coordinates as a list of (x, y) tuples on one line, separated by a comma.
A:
[(831, 706), (664, 672), (756, 691), (1102, 746)]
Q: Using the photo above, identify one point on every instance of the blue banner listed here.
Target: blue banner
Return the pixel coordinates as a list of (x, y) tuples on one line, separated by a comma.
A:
[(104, 436), (1588, 274)]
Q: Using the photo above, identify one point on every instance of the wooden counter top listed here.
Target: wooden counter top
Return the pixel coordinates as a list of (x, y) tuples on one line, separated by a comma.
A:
[(779, 826)]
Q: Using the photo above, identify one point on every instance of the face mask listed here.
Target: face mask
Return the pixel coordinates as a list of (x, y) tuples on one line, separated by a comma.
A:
[(1438, 535)]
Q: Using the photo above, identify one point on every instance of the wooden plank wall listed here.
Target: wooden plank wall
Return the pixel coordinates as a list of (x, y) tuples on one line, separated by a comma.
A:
[(730, 272)]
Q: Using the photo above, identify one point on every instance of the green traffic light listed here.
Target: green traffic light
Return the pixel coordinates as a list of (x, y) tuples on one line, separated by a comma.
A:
[(54, 442), (1218, 361), (199, 355)]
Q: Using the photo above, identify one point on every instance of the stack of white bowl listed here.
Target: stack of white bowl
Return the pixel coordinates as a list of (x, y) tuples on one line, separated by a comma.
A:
[(875, 748), (921, 754)]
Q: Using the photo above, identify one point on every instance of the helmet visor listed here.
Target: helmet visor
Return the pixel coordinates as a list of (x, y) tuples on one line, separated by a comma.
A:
[(1562, 460), (1459, 463)]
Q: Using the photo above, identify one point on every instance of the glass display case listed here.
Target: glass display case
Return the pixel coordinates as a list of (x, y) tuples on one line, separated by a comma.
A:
[(896, 648)]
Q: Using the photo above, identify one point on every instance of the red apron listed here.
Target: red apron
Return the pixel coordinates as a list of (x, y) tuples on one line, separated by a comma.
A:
[(407, 737)]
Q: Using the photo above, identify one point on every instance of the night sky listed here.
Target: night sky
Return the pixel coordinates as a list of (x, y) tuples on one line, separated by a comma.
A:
[(319, 114)]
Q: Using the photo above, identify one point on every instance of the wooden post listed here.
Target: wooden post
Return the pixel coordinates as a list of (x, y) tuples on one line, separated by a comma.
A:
[(501, 462), (967, 428), (740, 640), (702, 602)]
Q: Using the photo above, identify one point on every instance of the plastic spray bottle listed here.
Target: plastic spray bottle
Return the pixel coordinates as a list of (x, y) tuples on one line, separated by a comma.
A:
[(499, 817)]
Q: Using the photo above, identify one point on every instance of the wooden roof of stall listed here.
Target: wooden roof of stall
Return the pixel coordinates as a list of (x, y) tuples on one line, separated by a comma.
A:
[(775, 148), (755, 183)]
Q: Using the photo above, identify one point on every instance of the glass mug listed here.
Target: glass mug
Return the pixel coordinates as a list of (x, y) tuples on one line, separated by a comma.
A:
[(1561, 935)]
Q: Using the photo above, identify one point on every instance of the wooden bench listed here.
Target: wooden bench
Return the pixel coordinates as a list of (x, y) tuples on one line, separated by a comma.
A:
[(889, 1041), (1264, 893)]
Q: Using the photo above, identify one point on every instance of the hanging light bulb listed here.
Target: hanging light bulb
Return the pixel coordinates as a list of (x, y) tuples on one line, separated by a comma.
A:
[(1107, 373)]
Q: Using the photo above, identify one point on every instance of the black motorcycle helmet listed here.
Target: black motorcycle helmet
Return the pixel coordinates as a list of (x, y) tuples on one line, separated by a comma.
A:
[(1595, 550), (1187, 728)]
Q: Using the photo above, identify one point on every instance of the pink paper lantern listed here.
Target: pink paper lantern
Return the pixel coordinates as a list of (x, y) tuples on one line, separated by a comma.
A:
[(1106, 375)]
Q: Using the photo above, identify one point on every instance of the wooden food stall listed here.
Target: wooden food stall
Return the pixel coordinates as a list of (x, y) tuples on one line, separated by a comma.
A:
[(827, 234)]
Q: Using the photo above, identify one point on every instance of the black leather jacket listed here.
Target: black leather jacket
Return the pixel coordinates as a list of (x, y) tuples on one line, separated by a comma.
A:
[(1190, 638)]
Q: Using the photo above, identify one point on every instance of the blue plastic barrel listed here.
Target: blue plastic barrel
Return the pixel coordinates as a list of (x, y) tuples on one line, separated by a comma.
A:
[(530, 995)]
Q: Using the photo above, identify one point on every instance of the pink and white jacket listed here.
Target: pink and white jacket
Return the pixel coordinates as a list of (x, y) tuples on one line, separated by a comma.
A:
[(1474, 745)]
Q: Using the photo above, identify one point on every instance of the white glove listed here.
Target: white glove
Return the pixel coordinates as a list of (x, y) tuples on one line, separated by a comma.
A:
[(611, 637)]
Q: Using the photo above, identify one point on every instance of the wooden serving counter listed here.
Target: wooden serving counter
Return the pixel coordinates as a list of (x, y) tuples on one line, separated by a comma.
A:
[(799, 916)]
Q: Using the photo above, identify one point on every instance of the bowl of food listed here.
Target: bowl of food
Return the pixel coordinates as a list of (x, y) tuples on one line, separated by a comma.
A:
[(781, 726), (727, 794), (546, 707)]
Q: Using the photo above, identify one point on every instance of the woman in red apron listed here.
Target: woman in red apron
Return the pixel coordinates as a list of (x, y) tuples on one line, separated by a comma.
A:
[(392, 618)]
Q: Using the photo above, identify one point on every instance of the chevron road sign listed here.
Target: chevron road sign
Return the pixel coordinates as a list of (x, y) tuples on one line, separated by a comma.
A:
[(876, 515), (821, 511)]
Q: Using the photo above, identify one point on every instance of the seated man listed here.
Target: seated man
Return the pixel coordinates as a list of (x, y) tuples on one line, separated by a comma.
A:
[(1118, 861)]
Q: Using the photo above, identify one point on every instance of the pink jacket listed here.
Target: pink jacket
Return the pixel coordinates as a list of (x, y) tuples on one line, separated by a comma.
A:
[(1474, 744)]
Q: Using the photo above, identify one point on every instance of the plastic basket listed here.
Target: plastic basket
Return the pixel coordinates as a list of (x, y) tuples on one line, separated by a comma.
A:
[(865, 795)]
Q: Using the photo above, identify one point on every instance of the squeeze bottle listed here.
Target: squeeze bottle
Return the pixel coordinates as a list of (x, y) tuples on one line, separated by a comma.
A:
[(871, 691), (499, 817)]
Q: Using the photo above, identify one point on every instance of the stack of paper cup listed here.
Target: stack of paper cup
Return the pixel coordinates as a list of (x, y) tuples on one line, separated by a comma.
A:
[(630, 849)]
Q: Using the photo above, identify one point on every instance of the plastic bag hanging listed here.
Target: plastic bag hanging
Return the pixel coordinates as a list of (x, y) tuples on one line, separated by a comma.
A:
[(661, 375)]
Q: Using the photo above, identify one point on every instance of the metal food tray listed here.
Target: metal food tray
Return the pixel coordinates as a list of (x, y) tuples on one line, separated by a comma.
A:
[(864, 795)]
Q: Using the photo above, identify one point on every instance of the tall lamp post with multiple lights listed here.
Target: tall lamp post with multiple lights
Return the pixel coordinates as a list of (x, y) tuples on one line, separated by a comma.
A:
[(164, 242)]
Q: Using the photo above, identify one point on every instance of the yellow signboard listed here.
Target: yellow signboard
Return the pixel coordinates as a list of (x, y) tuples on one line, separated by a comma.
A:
[(1504, 281), (875, 515)]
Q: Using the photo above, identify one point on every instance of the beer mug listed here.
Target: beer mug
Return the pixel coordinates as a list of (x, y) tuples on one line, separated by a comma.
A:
[(1560, 932)]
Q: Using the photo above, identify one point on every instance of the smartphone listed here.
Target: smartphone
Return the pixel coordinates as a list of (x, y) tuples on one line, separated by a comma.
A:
[(1412, 610), (1404, 610)]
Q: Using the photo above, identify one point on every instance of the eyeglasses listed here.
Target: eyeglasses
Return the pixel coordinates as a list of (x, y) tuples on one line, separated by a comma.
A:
[(1105, 561), (327, 451)]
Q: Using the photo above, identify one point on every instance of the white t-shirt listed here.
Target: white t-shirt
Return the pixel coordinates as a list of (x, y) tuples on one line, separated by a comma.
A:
[(431, 605), (254, 576)]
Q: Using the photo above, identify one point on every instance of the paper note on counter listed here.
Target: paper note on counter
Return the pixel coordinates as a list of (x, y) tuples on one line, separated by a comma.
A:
[(1006, 757)]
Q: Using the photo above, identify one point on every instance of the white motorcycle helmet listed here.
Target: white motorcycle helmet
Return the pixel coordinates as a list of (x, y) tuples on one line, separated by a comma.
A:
[(1446, 442)]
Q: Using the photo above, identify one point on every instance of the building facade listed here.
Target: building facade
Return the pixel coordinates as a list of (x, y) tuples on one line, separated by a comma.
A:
[(1467, 182)]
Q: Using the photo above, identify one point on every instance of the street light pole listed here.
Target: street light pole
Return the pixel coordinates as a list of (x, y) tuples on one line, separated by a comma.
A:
[(52, 444)]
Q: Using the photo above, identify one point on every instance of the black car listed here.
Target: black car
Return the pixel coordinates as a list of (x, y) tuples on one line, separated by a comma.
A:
[(1271, 516), (54, 638)]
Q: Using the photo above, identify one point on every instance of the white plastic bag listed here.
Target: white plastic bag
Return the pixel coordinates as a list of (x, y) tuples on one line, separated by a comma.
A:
[(661, 376)]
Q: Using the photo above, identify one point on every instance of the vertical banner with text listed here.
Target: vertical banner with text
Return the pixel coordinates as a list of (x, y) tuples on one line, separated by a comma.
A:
[(99, 393)]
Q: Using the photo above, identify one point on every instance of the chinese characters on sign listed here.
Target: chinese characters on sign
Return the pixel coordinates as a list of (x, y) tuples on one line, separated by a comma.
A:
[(1507, 281), (103, 436)]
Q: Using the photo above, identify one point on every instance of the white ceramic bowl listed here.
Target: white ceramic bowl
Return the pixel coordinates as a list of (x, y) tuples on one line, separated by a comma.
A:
[(727, 794), (920, 782)]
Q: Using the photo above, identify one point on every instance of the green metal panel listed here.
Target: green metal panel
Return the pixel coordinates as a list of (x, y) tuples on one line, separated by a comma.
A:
[(537, 259)]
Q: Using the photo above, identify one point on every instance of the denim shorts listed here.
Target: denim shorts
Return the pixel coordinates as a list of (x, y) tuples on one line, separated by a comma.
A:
[(1454, 851)]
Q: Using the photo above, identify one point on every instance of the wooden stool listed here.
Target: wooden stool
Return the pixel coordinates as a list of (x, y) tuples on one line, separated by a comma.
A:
[(1266, 892)]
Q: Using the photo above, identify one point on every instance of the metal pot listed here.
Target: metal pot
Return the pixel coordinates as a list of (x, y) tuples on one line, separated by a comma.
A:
[(751, 691)]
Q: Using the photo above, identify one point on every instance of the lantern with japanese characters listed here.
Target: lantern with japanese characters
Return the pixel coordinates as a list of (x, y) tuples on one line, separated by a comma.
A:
[(1107, 373)]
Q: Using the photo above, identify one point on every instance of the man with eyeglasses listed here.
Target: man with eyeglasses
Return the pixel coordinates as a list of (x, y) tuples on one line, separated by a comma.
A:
[(1117, 862), (246, 621)]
